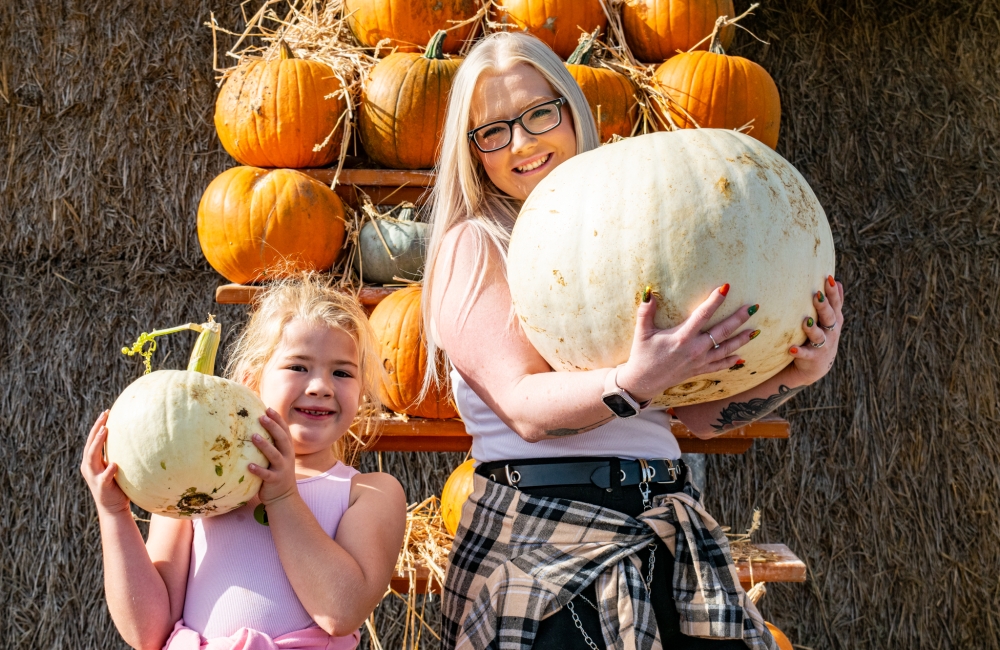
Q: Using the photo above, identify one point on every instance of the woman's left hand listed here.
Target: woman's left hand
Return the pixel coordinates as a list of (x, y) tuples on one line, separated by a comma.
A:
[(814, 358), (279, 478)]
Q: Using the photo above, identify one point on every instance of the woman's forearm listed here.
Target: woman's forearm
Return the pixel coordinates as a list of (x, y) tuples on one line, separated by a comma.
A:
[(137, 596), (709, 419)]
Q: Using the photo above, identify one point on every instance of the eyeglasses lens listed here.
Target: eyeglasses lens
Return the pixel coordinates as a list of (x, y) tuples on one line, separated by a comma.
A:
[(536, 121)]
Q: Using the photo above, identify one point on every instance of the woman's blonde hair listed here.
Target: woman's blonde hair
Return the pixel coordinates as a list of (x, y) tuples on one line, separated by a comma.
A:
[(310, 299), (462, 191)]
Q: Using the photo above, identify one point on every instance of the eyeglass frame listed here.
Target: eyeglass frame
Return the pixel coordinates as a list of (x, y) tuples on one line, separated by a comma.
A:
[(561, 101)]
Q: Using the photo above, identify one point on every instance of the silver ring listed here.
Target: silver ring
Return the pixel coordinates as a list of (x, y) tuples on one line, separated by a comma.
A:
[(714, 344), (828, 329), (819, 345)]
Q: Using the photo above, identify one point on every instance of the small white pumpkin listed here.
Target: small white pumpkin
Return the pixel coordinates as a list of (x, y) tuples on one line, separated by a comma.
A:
[(682, 212), (182, 438)]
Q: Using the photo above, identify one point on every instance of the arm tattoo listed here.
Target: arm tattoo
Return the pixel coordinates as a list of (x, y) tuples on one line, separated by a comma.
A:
[(562, 433), (738, 414)]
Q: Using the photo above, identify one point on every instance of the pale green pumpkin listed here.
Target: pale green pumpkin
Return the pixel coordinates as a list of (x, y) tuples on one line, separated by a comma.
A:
[(390, 248), (182, 438), (683, 212)]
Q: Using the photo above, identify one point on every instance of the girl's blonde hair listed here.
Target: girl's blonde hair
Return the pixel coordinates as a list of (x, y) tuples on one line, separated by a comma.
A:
[(462, 191), (310, 299)]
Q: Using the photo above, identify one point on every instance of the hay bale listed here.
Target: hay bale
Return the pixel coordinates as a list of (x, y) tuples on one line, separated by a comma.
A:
[(889, 485)]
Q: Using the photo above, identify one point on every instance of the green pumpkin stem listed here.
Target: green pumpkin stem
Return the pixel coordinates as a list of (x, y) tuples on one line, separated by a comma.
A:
[(435, 48), (286, 52), (584, 49), (205, 348), (202, 356), (716, 46)]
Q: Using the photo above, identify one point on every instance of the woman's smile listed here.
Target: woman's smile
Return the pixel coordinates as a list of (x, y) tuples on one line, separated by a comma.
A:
[(534, 164)]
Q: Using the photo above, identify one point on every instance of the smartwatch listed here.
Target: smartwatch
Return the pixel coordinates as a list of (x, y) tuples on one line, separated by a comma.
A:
[(618, 399)]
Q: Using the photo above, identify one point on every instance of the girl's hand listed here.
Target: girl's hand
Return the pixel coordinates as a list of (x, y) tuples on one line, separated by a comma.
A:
[(279, 478), (660, 359), (814, 358), (100, 475)]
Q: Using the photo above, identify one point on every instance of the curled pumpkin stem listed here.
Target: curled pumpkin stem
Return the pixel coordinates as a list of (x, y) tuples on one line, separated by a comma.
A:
[(145, 345)]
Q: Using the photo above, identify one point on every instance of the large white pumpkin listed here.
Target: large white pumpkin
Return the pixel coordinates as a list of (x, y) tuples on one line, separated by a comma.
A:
[(182, 442), (683, 212)]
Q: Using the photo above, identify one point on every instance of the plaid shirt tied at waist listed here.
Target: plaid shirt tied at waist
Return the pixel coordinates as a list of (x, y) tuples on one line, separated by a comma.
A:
[(521, 558)]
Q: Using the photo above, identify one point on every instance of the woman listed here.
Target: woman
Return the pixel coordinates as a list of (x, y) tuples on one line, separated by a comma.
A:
[(575, 507)]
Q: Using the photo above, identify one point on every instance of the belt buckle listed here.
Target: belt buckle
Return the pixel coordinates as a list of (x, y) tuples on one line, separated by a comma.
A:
[(673, 469)]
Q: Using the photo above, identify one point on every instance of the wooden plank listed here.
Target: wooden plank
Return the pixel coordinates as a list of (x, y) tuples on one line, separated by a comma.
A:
[(787, 568), (418, 434), (241, 294), (374, 177)]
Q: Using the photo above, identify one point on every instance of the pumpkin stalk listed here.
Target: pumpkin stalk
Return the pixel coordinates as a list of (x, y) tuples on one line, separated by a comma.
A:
[(286, 51), (202, 356), (585, 50), (435, 48), (716, 46)]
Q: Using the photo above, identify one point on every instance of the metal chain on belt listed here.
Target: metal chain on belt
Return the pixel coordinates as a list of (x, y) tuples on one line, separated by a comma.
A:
[(579, 625)]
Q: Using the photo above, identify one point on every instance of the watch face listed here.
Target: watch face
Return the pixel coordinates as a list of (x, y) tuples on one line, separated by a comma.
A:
[(619, 406)]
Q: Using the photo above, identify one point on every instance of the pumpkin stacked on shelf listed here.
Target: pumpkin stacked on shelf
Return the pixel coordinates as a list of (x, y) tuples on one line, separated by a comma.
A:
[(265, 219)]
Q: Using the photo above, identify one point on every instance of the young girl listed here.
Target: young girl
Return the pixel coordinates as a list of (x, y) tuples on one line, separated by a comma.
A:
[(583, 530), (312, 573)]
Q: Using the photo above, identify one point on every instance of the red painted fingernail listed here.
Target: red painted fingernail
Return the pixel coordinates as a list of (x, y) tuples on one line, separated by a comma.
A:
[(672, 412), (754, 334), (793, 350), (739, 364), (830, 280), (724, 289)]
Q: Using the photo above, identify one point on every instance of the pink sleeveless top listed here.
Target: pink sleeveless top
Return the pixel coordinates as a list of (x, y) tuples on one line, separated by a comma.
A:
[(236, 579)]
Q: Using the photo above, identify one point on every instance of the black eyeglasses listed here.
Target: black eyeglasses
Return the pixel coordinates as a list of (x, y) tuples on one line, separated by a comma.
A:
[(536, 121)]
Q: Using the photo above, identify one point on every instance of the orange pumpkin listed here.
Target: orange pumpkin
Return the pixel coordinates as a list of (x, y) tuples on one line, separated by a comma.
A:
[(656, 29), (611, 95), (779, 637), (403, 107), (257, 223), (281, 113), (714, 90), (557, 23), (456, 492), (408, 24), (398, 328)]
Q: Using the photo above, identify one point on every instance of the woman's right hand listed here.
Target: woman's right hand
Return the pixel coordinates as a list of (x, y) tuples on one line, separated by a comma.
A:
[(660, 359), (100, 475)]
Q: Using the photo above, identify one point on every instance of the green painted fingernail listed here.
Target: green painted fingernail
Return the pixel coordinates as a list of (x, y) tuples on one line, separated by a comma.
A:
[(819, 296), (753, 309), (809, 322), (754, 334), (645, 293)]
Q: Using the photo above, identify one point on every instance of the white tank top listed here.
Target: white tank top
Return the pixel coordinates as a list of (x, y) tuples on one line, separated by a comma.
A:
[(644, 436)]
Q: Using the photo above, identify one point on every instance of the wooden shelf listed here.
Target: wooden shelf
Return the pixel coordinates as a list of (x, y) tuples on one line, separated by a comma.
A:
[(383, 186), (241, 294), (786, 568), (418, 434)]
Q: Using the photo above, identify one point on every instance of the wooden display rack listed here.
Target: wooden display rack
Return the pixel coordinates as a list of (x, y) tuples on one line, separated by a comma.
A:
[(392, 187)]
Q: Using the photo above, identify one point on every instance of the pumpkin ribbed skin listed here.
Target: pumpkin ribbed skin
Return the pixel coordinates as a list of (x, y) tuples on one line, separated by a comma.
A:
[(557, 23), (399, 331), (719, 91), (456, 492), (403, 107), (409, 25), (656, 29), (273, 113), (683, 212), (611, 97), (779, 637), (182, 442), (255, 223)]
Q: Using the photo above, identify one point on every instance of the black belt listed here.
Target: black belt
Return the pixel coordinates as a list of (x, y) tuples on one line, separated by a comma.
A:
[(597, 472)]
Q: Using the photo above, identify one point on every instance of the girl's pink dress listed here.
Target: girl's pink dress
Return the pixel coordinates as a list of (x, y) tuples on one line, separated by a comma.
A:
[(238, 597)]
